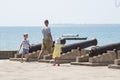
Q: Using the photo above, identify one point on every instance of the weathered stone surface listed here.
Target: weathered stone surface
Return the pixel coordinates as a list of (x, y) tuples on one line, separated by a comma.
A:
[(108, 57), (84, 52), (117, 61), (113, 55), (17, 55), (98, 58), (114, 66), (33, 55), (101, 58), (51, 61), (104, 58), (20, 59), (7, 54), (92, 59), (118, 54), (83, 58), (71, 55), (49, 56), (88, 64)]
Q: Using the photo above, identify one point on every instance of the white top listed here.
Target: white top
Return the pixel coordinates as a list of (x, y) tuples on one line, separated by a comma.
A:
[(58, 41), (25, 44), (45, 32)]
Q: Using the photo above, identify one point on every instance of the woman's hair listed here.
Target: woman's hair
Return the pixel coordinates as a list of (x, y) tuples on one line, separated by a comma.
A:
[(46, 21), (25, 34)]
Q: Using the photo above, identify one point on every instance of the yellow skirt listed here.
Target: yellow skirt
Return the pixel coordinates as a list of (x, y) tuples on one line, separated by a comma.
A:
[(57, 50)]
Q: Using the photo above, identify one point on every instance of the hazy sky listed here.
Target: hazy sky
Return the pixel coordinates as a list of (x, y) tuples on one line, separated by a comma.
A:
[(34, 12)]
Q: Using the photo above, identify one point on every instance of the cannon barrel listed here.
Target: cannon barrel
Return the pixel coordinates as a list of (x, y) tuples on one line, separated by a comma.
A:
[(80, 45), (35, 47), (38, 46), (103, 49)]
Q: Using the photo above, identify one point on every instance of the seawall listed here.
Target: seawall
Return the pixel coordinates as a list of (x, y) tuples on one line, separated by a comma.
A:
[(7, 54)]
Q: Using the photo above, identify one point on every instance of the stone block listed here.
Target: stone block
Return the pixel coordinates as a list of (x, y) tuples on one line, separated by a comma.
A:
[(70, 55), (98, 58), (106, 58), (118, 54), (7, 54), (49, 56), (83, 58), (88, 64), (113, 66), (109, 59), (113, 55), (102, 58), (92, 59), (117, 61), (84, 52), (33, 55)]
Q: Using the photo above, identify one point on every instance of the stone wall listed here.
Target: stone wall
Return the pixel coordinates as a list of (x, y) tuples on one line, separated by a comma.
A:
[(7, 54), (84, 56), (71, 55)]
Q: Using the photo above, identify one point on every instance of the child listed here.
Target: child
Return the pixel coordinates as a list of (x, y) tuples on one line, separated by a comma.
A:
[(57, 51), (25, 47)]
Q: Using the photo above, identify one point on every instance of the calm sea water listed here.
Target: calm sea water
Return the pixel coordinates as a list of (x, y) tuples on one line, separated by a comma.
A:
[(10, 37)]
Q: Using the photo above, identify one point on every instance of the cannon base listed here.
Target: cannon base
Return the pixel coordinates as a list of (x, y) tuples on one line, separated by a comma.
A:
[(114, 66), (20, 59), (52, 61), (89, 64)]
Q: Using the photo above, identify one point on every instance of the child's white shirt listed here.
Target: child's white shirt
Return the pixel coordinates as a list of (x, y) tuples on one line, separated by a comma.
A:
[(25, 44)]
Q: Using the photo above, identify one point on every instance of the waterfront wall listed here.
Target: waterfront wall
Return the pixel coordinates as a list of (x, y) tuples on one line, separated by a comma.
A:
[(7, 54)]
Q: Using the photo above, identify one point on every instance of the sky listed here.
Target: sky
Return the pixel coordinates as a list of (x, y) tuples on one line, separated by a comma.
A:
[(34, 12)]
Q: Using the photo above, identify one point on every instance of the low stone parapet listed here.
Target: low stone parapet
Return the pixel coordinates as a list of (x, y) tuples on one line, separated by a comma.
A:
[(116, 64), (7, 54), (70, 55), (108, 57), (83, 58), (118, 54)]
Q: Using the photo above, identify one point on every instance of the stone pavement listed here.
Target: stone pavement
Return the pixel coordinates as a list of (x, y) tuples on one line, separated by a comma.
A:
[(15, 70)]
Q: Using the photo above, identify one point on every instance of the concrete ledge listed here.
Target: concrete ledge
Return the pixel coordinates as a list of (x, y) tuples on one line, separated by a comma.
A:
[(7, 54), (20, 59), (114, 66), (49, 56), (83, 58), (51, 61), (70, 55), (41, 60), (117, 61), (118, 54), (89, 64)]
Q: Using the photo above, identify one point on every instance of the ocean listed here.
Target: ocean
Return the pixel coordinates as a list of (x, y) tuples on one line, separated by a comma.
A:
[(11, 37)]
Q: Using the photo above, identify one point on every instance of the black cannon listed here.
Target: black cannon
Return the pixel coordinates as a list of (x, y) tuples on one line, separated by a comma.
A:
[(80, 45), (38, 46), (35, 47), (103, 49)]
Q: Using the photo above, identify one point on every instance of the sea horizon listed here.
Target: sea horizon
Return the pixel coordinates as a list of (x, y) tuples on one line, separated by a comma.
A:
[(56, 24)]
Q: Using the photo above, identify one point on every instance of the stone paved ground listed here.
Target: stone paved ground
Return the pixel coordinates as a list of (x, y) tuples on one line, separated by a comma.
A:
[(10, 70)]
